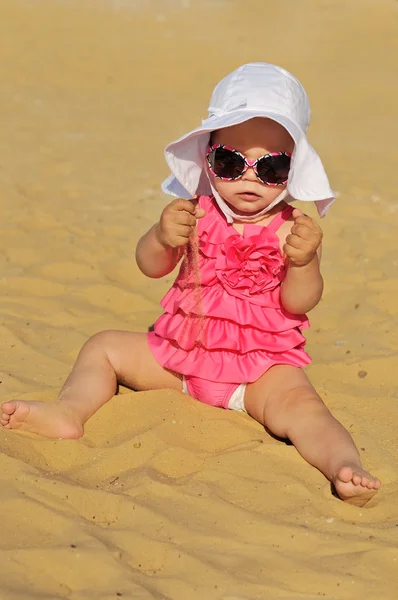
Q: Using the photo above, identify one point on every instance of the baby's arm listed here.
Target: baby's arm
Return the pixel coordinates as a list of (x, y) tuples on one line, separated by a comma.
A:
[(302, 287), (160, 249)]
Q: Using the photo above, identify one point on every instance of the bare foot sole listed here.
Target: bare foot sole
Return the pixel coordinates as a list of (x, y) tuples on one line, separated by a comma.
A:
[(49, 419), (354, 485)]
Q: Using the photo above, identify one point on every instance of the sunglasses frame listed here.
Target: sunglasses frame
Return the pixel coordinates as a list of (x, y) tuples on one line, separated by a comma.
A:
[(247, 163)]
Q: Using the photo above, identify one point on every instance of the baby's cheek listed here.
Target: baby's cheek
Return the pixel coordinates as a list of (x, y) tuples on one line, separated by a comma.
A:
[(272, 192), (224, 188)]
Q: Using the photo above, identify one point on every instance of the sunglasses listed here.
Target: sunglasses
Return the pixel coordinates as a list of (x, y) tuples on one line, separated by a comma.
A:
[(228, 164)]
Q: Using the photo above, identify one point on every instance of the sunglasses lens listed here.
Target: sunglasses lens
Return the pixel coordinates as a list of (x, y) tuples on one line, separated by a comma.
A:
[(226, 164), (274, 169)]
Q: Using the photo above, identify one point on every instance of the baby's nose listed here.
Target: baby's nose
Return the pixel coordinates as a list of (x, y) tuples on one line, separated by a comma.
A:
[(250, 173)]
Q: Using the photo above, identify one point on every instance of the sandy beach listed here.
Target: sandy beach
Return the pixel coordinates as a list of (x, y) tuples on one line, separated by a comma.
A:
[(164, 497)]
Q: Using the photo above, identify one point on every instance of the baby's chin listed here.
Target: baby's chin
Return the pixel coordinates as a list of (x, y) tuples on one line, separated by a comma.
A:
[(247, 208)]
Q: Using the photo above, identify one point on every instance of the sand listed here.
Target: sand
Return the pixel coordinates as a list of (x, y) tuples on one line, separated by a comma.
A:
[(165, 497)]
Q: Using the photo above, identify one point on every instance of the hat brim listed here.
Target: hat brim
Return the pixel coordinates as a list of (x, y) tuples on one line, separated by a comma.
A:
[(186, 160), (214, 123)]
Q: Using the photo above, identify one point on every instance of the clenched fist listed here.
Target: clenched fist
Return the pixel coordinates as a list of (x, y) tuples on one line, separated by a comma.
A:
[(178, 222), (303, 240)]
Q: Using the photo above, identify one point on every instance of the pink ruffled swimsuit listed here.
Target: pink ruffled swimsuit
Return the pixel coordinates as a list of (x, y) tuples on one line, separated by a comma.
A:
[(224, 324)]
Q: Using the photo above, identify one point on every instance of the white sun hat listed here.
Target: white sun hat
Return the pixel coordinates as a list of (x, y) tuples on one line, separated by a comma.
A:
[(252, 90)]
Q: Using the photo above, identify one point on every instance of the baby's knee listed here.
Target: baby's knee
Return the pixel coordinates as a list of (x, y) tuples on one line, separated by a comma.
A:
[(302, 396), (101, 341), (290, 407)]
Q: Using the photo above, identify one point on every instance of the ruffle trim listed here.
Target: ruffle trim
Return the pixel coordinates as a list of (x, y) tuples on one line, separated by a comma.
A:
[(220, 365), (211, 231), (215, 302), (216, 334)]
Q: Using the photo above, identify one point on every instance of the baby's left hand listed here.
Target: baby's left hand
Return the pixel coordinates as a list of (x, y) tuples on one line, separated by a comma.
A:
[(303, 240)]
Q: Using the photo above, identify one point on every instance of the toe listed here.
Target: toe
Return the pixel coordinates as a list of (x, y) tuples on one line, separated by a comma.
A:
[(375, 484), (345, 474), (8, 409), (356, 479)]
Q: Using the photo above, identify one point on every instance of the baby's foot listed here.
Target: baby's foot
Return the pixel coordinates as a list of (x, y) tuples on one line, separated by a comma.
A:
[(354, 485), (51, 419)]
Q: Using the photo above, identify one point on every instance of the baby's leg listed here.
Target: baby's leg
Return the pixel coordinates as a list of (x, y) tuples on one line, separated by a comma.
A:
[(107, 358), (286, 403)]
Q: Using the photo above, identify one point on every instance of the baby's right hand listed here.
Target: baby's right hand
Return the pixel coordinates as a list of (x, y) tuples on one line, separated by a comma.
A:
[(177, 222)]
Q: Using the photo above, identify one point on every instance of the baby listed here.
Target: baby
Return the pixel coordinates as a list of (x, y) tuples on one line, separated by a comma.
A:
[(231, 331)]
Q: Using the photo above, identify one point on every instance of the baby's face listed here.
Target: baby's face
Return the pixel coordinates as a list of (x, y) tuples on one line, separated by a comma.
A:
[(253, 139)]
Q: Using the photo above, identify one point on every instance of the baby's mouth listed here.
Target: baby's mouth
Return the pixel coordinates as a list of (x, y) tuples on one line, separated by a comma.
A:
[(249, 195)]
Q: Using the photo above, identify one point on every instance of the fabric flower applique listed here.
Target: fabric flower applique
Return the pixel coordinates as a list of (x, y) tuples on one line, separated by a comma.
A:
[(248, 266)]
